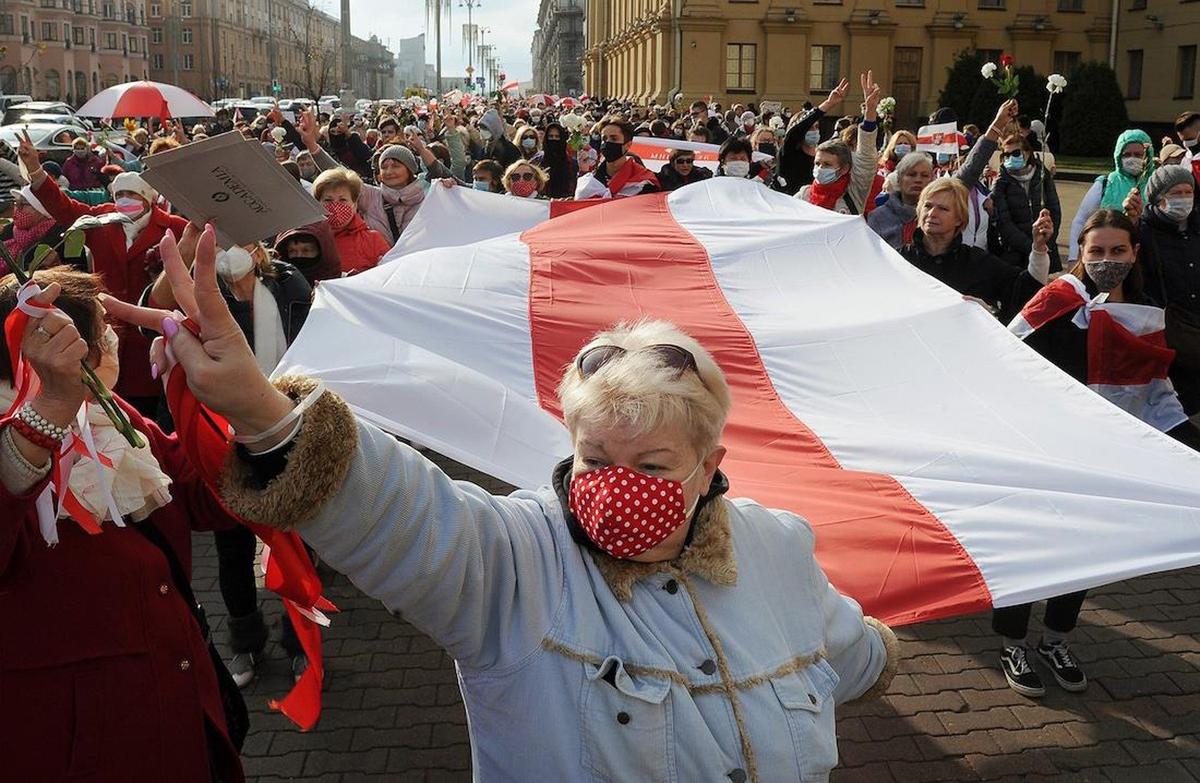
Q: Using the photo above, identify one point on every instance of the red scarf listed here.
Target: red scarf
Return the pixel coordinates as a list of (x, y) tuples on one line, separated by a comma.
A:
[(827, 196), (631, 173), (29, 226)]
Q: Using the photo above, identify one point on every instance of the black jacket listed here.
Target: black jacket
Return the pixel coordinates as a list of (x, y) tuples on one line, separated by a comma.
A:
[(795, 165), (670, 179), (293, 297), (1016, 211), (1170, 259), (975, 272), (716, 131)]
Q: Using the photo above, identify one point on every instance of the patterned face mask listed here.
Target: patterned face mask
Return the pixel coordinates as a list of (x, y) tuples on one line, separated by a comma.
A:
[(625, 512), (339, 213), (1107, 274)]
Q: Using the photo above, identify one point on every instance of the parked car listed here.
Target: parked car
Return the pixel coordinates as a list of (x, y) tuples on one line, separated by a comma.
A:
[(13, 100), (51, 119), (52, 140), (14, 112), (329, 104)]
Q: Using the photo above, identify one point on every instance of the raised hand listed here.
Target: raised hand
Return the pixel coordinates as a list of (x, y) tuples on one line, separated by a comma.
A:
[(1006, 115), (275, 115), (1133, 206), (28, 154), (836, 96), (54, 347), (221, 368), (871, 95), (306, 126), (1043, 229)]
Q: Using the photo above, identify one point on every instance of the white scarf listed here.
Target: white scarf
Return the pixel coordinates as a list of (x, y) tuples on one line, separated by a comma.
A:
[(135, 483), (133, 229), (270, 341)]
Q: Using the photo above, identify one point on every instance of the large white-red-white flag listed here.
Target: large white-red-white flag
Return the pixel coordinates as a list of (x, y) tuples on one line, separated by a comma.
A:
[(944, 465)]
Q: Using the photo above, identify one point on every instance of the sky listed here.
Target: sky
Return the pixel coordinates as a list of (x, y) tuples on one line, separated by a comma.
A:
[(511, 22)]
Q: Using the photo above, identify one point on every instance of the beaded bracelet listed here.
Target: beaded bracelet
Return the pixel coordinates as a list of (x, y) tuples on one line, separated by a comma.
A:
[(34, 436), (39, 422)]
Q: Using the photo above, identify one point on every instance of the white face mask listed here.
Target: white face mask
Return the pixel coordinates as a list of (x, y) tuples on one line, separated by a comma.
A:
[(1133, 167), (1177, 208), (234, 264), (1189, 143), (130, 207), (737, 168)]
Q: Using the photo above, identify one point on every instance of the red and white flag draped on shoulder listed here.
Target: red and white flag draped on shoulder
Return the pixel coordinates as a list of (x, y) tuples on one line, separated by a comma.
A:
[(945, 466)]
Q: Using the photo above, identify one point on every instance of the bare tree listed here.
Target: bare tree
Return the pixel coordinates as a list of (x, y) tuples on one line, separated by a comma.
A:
[(310, 34)]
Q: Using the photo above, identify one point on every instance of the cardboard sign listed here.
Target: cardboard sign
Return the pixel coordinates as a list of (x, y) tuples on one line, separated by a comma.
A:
[(772, 106), (236, 184)]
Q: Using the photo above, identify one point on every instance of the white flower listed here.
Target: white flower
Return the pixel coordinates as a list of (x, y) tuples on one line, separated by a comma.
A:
[(887, 106), (988, 70), (1056, 83)]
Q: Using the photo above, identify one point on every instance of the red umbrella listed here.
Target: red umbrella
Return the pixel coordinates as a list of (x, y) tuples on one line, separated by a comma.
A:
[(145, 99), (542, 98), (567, 103)]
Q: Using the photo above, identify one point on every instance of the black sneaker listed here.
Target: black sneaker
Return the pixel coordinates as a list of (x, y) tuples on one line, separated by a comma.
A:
[(1021, 677), (1058, 657)]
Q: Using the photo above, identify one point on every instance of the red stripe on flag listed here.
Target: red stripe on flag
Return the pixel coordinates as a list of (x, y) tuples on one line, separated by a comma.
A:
[(630, 258), (1118, 357)]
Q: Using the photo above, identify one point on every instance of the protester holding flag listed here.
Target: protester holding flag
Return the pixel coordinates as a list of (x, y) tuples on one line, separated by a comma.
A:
[(681, 169), (525, 180), (359, 246), (123, 254), (797, 154), (551, 593), (1095, 323), (1133, 163), (619, 174), (105, 664), (561, 167), (842, 179), (736, 158), (896, 218)]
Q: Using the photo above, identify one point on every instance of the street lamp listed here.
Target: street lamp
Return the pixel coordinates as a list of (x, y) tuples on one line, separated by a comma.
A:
[(470, 5)]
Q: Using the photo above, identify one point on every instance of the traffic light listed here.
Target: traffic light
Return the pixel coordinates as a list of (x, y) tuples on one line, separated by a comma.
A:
[(275, 88)]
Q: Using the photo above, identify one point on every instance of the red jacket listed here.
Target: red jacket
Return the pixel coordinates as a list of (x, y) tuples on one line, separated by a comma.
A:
[(126, 273), (104, 676), (360, 246)]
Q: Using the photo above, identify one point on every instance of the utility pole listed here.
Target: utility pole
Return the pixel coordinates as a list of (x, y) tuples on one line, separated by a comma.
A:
[(470, 5), (347, 49), (437, 24), (482, 55)]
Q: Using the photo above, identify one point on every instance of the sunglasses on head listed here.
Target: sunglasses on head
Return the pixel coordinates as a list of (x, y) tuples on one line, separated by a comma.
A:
[(526, 176), (591, 360)]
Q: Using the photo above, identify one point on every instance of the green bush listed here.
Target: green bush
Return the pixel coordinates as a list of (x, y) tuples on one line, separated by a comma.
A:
[(1093, 111), (1031, 96), (963, 80)]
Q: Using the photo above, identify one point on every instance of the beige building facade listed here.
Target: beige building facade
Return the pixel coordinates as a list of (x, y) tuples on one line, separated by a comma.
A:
[(1156, 58), (792, 51), (69, 50)]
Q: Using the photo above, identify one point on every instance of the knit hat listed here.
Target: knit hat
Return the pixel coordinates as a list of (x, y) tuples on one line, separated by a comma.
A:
[(1166, 177), (133, 182), (401, 153)]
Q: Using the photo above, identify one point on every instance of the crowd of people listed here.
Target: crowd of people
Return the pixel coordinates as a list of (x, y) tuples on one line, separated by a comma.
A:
[(112, 649)]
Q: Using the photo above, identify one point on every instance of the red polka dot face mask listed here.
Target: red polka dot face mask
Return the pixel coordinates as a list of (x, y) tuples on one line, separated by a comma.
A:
[(625, 512)]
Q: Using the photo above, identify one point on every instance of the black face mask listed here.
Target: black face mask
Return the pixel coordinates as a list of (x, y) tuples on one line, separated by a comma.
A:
[(612, 150), (767, 148), (554, 146)]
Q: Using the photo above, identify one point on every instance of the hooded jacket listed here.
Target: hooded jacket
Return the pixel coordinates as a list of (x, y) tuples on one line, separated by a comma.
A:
[(327, 267), (1109, 190), (499, 149)]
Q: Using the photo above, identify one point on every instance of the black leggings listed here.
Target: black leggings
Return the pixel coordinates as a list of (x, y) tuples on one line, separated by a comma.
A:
[(236, 548), (1062, 612)]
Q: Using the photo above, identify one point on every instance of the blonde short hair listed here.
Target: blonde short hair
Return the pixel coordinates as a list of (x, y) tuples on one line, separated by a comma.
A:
[(337, 178), (636, 390), (959, 197), (539, 174)]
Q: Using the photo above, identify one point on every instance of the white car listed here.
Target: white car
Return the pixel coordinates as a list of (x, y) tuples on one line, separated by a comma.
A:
[(329, 104)]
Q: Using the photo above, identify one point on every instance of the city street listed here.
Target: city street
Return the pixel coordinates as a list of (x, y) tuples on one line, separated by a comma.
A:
[(392, 709)]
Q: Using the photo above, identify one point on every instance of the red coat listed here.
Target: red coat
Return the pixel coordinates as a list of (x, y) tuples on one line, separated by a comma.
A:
[(360, 246), (104, 676), (126, 273)]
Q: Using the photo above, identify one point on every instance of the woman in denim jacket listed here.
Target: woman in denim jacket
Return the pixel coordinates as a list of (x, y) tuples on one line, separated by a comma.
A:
[(627, 622)]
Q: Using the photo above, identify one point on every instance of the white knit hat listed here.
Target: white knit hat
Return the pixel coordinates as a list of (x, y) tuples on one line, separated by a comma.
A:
[(133, 182)]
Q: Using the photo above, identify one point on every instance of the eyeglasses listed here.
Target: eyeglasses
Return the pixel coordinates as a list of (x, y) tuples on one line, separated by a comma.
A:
[(1012, 153), (591, 360), (525, 176), (684, 161)]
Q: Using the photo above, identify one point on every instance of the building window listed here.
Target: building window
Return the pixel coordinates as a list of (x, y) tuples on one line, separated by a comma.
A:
[(739, 67), (6, 24), (910, 3), (991, 4), (1137, 5), (156, 61), (49, 31), (1065, 62), (108, 12), (185, 9), (990, 55), (1186, 83), (156, 35), (155, 10), (133, 45), (77, 35), (1071, 6), (1133, 86), (188, 62), (187, 35), (825, 67)]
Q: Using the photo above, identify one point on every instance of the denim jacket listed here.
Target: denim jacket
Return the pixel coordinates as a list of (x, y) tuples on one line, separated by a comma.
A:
[(724, 664)]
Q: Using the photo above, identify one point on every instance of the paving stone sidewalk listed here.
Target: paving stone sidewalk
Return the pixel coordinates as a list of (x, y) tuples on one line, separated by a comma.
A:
[(392, 709)]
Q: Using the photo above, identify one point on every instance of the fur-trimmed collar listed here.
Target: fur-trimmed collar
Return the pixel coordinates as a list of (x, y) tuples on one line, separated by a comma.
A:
[(710, 555)]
